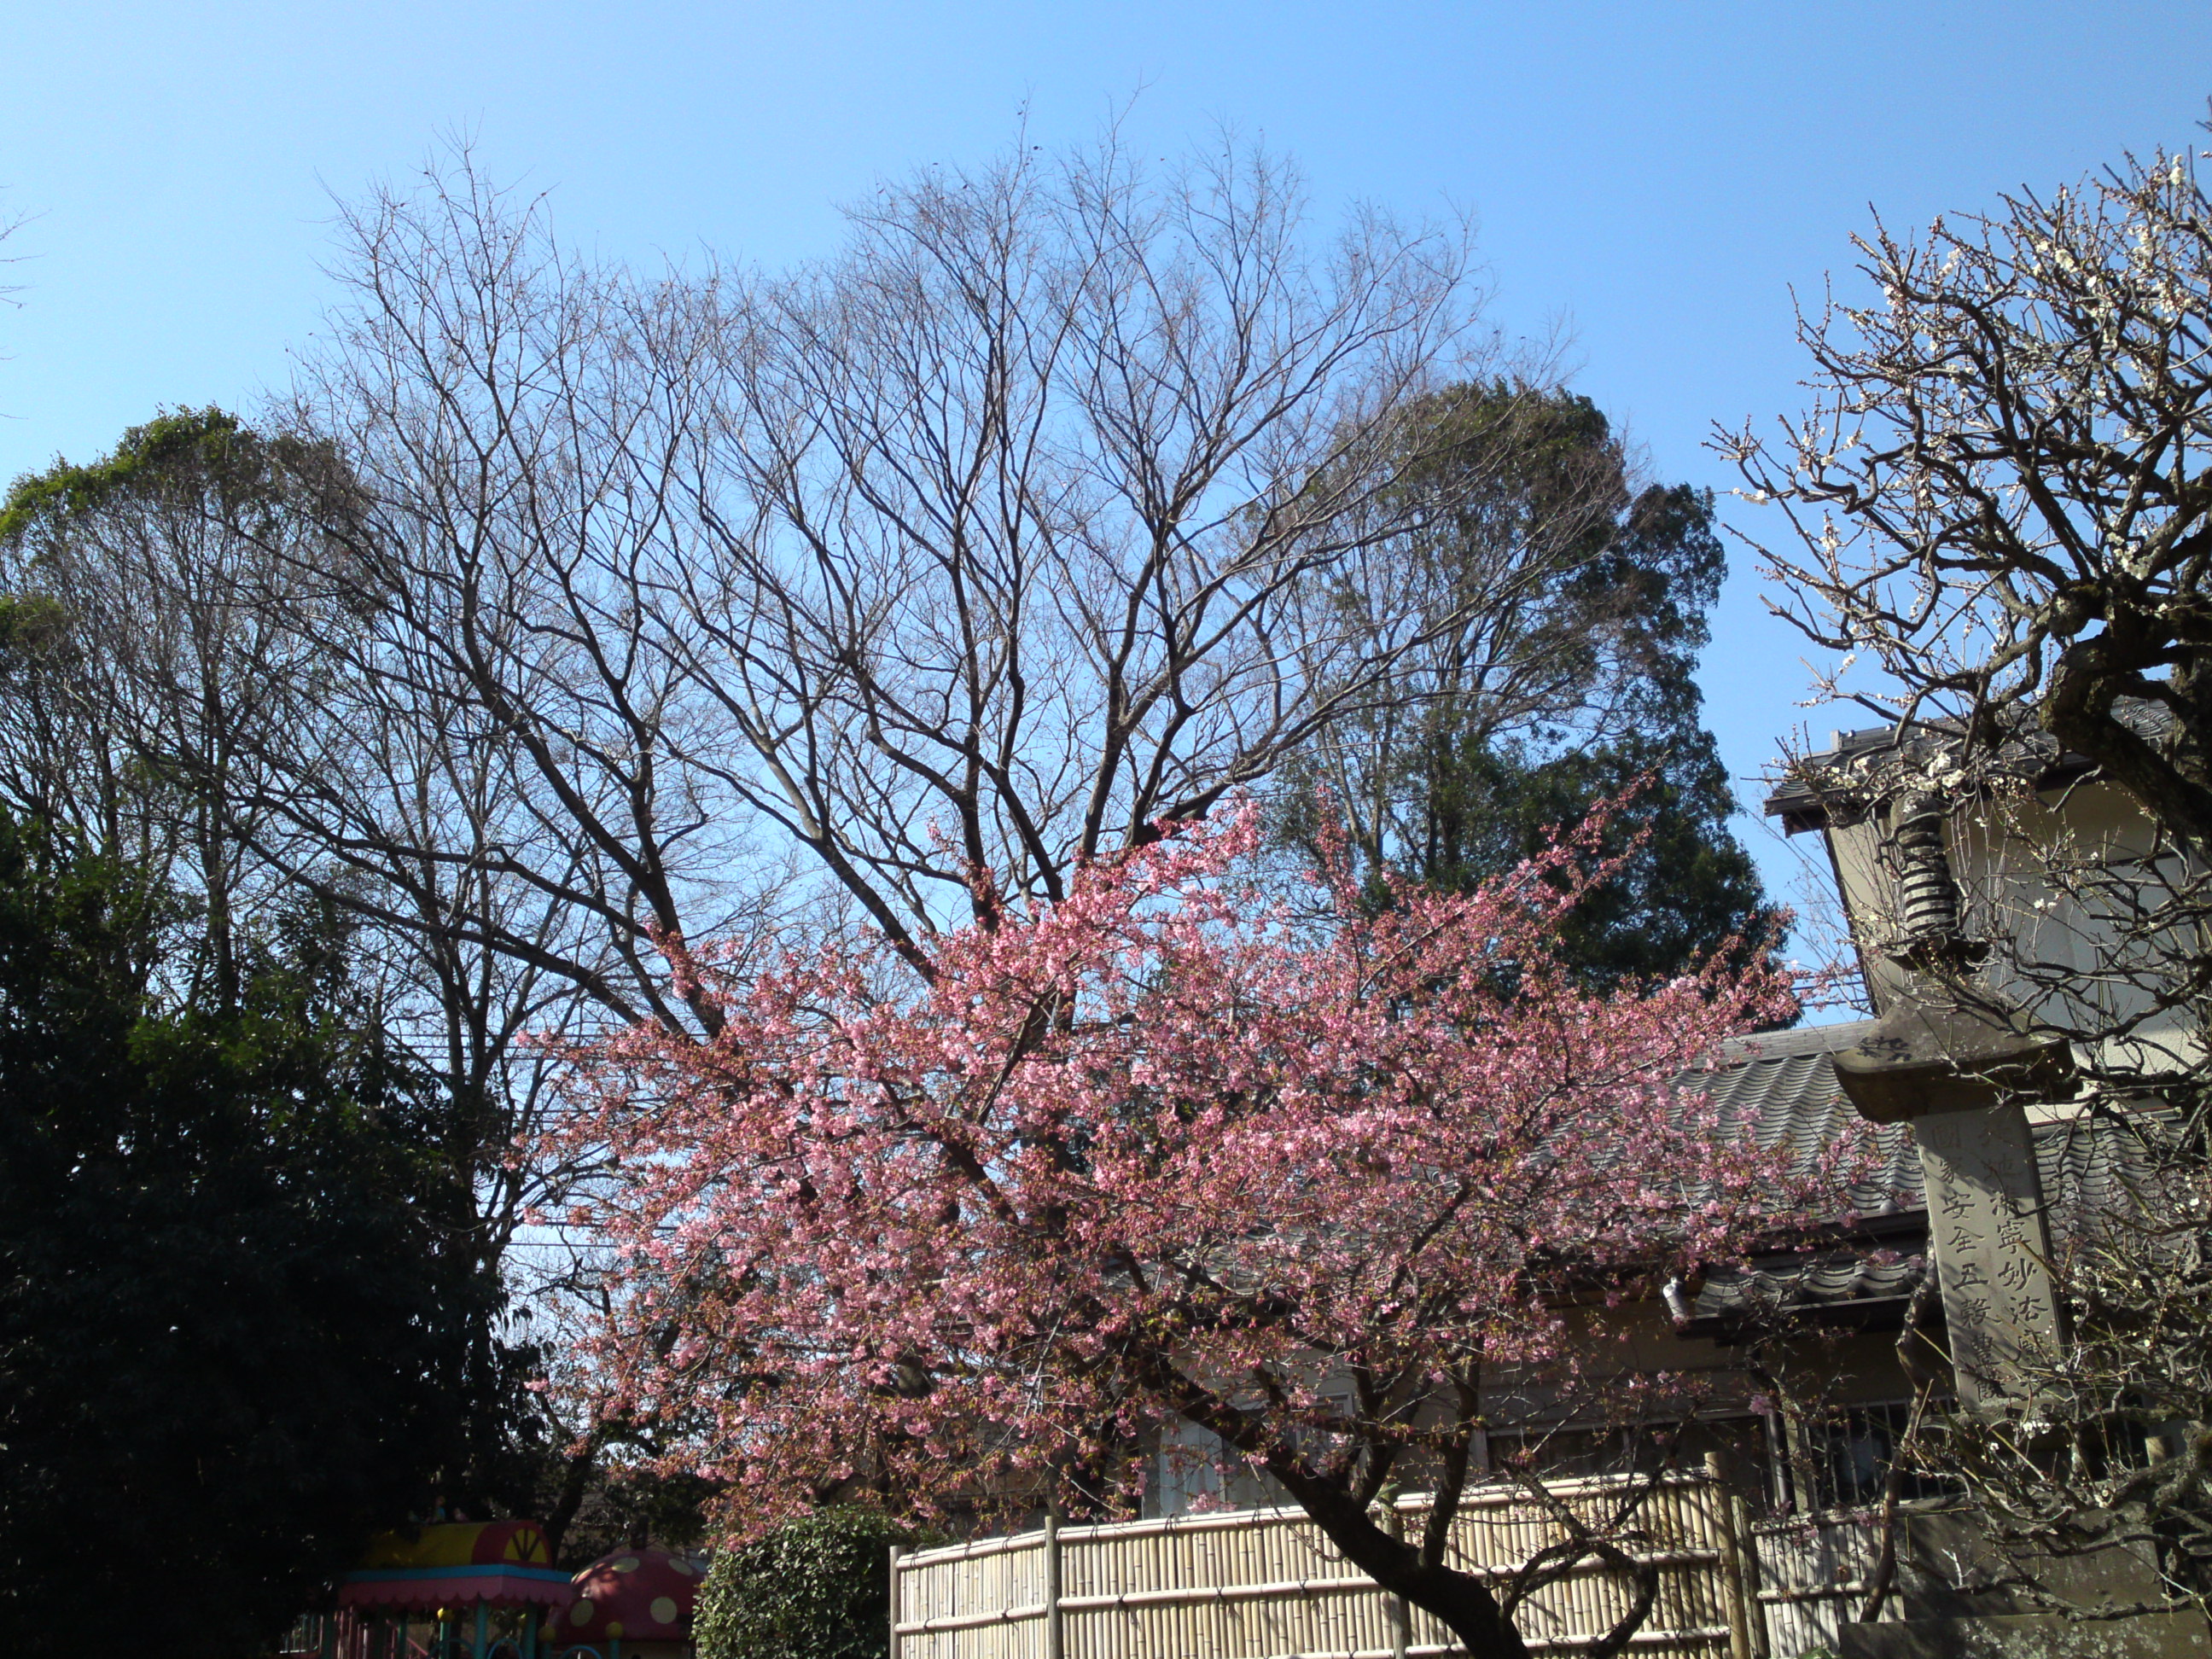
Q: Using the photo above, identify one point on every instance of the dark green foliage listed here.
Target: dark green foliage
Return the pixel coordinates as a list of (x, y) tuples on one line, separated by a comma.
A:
[(1686, 886), (1571, 685), (815, 1588), (151, 667), (208, 455), (223, 1323)]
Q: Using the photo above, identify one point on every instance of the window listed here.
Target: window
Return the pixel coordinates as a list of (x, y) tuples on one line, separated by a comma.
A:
[(1842, 1457)]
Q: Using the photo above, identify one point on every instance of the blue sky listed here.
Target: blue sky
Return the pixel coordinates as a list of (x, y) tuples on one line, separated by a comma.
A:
[(1654, 177)]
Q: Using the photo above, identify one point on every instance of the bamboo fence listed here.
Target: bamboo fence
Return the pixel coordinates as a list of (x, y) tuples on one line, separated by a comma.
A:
[(1264, 1584), (1812, 1575)]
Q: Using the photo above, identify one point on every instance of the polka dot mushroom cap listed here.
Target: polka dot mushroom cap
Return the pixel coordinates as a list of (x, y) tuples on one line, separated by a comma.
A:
[(633, 1595)]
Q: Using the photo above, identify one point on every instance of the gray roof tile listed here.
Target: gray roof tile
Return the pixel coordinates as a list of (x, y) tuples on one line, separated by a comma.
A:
[(1783, 1087), (1828, 1283)]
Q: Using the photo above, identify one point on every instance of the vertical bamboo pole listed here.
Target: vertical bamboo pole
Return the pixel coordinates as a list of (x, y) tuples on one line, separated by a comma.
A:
[(1747, 1550), (1056, 1641), (897, 1551), (1740, 1645)]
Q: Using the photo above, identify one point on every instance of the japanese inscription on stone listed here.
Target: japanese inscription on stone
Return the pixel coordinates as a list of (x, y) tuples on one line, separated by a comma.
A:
[(1985, 1216)]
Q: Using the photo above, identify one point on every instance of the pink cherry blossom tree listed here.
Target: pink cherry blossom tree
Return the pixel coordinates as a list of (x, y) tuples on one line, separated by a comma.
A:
[(1312, 1180)]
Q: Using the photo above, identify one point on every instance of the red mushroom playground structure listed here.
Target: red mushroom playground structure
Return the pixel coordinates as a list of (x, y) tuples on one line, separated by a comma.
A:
[(489, 1590), (634, 1604)]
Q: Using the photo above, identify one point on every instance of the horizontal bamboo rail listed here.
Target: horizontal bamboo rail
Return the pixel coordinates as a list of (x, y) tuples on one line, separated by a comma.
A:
[(971, 1621), (1643, 1642)]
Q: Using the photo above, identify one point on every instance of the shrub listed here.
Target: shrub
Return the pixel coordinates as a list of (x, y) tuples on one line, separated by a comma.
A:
[(816, 1588)]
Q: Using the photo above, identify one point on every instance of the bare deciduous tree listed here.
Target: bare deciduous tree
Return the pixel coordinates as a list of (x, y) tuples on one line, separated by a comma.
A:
[(1017, 513), (145, 653), (1020, 528), (605, 612)]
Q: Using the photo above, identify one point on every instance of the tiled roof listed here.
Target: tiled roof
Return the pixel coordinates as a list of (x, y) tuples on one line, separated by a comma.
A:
[(1842, 1283), (2085, 1166), (1783, 1087)]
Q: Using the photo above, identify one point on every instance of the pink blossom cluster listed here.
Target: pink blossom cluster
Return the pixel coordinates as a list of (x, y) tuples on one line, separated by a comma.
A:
[(1168, 1148)]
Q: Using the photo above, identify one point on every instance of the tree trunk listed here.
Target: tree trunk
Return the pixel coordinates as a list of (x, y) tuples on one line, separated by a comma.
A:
[(576, 1482), (1463, 1602), (2079, 712)]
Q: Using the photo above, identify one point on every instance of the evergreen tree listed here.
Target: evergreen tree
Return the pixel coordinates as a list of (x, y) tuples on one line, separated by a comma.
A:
[(225, 1318), (159, 609), (1568, 686)]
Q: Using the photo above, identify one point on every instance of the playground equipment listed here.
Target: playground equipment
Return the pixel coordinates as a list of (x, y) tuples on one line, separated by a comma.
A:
[(632, 1604), (488, 1591), (456, 1591)]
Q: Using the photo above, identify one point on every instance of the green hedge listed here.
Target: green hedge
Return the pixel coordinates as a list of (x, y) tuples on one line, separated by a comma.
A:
[(817, 1588)]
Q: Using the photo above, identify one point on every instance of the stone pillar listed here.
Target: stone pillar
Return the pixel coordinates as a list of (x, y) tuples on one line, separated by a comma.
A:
[(1986, 1222), (1956, 1060)]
